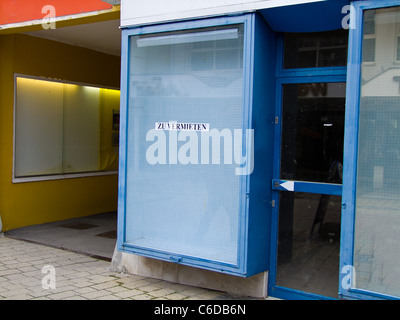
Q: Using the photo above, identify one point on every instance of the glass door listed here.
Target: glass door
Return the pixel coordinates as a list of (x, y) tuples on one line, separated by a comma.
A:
[(308, 162), (308, 186)]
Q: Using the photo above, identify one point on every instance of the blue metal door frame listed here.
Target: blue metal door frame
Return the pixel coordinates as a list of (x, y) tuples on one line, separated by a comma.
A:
[(292, 76), (352, 76)]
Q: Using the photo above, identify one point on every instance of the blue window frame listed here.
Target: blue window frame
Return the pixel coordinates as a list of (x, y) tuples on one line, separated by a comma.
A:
[(283, 77), (353, 168), (168, 222)]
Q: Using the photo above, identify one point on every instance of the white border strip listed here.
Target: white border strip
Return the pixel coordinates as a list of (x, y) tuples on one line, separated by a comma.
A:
[(62, 176), (131, 16)]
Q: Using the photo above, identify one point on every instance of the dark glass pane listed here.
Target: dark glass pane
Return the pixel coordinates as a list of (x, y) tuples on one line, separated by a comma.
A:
[(312, 132), (309, 242), (317, 49)]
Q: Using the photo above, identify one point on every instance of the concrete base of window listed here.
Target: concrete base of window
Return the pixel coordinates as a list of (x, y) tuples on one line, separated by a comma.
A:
[(255, 286)]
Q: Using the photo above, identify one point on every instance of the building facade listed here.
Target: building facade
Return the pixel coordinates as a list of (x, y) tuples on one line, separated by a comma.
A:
[(59, 94), (248, 146), (259, 146)]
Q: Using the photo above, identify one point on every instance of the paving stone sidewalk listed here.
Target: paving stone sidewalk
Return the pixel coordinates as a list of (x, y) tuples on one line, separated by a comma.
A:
[(26, 274)]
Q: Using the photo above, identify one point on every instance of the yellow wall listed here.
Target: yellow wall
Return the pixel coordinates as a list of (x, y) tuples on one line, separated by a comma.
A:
[(28, 203)]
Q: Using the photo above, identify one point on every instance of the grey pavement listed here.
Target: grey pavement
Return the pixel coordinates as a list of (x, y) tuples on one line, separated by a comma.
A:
[(29, 271), (93, 235)]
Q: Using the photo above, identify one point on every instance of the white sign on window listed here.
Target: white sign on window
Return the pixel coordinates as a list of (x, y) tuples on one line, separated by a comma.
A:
[(182, 126)]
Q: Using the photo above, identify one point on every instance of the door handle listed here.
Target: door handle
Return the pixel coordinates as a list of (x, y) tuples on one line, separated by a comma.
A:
[(286, 185), (309, 187)]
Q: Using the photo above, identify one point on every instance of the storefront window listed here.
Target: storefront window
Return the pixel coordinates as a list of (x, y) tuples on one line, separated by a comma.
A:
[(64, 128), (183, 195), (377, 219)]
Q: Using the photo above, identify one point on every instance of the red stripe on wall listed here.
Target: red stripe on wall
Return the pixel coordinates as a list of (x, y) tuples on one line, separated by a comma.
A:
[(14, 11)]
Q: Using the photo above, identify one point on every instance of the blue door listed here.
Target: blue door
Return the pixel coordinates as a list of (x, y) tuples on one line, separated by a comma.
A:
[(307, 184)]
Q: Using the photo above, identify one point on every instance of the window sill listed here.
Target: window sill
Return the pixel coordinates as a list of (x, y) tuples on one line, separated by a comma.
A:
[(63, 176)]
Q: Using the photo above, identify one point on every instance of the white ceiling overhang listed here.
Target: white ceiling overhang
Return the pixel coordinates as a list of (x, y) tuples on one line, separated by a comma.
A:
[(102, 36)]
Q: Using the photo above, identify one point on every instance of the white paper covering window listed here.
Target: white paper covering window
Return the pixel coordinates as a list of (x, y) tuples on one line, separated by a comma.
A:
[(183, 203)]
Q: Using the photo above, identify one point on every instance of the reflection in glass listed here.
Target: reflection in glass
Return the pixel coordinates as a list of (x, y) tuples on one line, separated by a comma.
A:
[(316, 49), (308, 246), (312, 132), (377, 224), (309, 223)]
